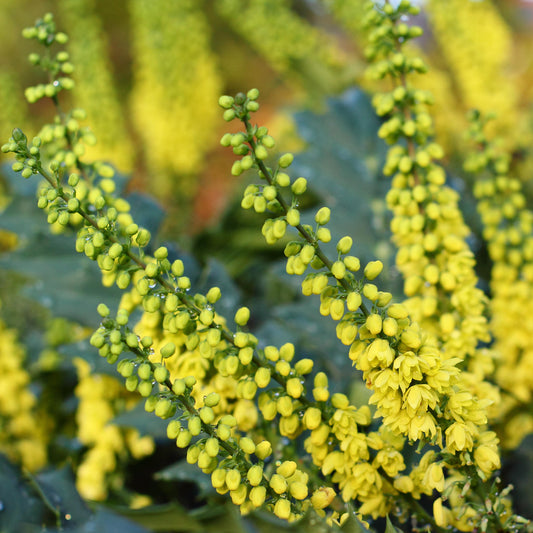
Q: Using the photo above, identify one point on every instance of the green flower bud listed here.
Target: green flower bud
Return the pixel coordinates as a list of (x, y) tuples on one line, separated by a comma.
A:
[(26, 173), (132, 383), (207, 415), (184, 438), (150, 403), (123, 280), (163, 408), (261, 152), (223, 432), (283, 179), (144, 371), (115, 250), (145, 388), (229, 115), (143, 237), (252, 106), (286, 160), (103, 310), (299, 186), (226, 139), (173, 429), (212, 447), (195, 425), (226, 102), (212, 399), (252, 94), (161, 374), (268, 141)]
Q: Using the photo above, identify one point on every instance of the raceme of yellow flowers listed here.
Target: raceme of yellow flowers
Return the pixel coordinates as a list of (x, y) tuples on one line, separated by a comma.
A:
[(101, 398), (96, 92), (176, 83), (476, 43), (22, 435), (507, 229), (420, 358), (287, 41)]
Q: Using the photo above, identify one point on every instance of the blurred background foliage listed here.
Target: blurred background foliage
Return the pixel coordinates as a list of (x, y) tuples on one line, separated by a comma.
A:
[(149, 73)]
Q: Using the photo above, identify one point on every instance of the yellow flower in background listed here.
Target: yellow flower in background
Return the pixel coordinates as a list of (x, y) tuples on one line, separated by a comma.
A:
[(23, 437), (176, 88)]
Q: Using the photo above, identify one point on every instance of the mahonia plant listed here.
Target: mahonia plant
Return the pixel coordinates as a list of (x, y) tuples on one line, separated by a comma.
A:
[(238, 403)]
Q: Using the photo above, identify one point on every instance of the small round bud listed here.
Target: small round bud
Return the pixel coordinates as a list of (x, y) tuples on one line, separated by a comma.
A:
[(252, 94), (261, 152), (293, 217), (242, 316), (103, 310), (299, 186), (323, 215), (226, 102), (286, 160)]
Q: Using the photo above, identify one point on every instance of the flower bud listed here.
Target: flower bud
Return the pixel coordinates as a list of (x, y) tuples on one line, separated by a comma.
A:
[(263, 450), (286, 160), (257, 496), (212, 447), (195, 425), (262, 377), (282, 509), (233, 479), (304, 366), (373, 269), (173, 429), (183, 439), (278, 484), (312, 418), (242, 316), (255, 475), (322, 497), (247, 445), (299, 186), (322, 216), (344, 245), (293, 217)]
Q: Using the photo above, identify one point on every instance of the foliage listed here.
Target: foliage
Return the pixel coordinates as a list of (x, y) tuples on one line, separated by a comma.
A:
[(413, 439)]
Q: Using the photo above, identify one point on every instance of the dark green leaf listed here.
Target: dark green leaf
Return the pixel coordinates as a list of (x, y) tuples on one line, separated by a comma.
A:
[(20, 506), (391, 528), (169, 517), (145, 423), (59, 488), (183, 471)]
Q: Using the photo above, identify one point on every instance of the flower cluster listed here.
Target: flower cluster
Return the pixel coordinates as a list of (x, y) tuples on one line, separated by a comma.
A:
[(100, 397), (476, 43), (507, 228), (23, 437), (236, 405), (95, 88), (285, 39), (176, 85)]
